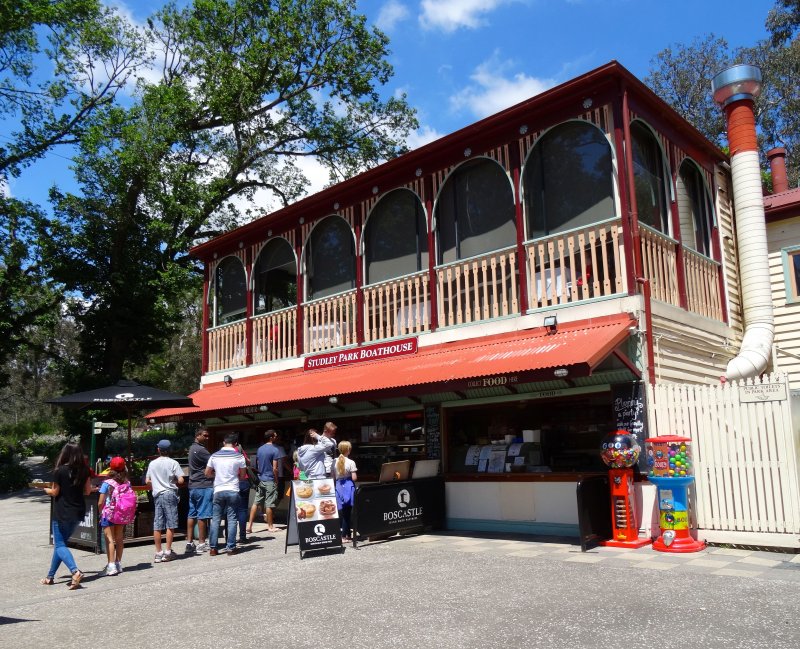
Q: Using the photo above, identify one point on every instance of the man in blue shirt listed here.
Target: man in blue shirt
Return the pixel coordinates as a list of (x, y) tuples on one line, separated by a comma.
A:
[(266, 467)]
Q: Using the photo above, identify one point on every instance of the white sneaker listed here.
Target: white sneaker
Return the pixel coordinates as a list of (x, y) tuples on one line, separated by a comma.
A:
[(159, 557), (203, 547), (119, 567), (111, 570)]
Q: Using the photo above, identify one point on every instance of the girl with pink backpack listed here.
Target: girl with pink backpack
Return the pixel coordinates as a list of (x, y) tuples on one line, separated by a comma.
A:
[(117, 505)]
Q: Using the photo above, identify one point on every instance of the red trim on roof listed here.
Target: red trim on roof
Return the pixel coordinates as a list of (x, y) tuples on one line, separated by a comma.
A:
[(783, 205), (579, 347), (492, 131)]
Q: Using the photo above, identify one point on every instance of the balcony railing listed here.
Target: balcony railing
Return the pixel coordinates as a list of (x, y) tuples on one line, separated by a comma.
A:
[(226, 346), (579, 265), (659, 264), (330, 322), (275, 335), (397, 307), (576, 265), (477, 289), (702, 284)]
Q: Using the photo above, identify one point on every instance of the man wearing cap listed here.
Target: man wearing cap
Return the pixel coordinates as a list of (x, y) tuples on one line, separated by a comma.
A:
[(227, 467), (164, 475)]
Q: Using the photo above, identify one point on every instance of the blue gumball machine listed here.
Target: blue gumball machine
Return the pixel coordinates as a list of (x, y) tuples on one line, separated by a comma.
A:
[(671, 470)]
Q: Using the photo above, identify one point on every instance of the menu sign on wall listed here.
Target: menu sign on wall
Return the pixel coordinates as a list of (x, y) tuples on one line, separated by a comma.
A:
[(433, 433), (630, 412), (313, 516)]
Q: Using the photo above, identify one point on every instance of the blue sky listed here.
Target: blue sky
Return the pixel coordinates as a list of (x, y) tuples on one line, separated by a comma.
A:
[(461, 60)]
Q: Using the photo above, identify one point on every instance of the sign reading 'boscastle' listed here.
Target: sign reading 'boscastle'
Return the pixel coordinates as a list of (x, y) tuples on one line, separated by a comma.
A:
[(404, 513), (393, 507), (315, 523)]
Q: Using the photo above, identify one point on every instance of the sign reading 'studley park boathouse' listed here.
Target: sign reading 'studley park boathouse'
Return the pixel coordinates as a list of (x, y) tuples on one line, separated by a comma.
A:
[(362, 354)]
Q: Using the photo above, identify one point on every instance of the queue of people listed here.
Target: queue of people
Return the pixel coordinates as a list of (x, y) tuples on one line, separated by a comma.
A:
[(219, 487)]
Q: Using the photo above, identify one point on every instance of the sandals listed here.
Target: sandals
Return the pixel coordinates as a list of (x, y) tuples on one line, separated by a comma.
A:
[(76, 580), (47, 581)]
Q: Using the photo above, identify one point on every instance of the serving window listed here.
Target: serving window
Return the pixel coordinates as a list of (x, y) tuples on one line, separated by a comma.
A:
[(529, 437)]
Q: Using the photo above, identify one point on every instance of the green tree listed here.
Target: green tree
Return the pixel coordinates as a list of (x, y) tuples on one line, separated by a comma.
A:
[(682, 76), (28, 297), (60, 63), (245, 89)]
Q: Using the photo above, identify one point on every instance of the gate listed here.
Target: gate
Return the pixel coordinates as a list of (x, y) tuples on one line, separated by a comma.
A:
[(745, 454)]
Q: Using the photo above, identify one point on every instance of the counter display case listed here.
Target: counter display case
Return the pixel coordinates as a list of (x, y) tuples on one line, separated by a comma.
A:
[(370, 456), (515, 457)]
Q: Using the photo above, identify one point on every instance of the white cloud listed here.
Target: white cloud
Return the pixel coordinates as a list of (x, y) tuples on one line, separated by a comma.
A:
[(495, 88), (390, 14), (450, 15), (422, 136)]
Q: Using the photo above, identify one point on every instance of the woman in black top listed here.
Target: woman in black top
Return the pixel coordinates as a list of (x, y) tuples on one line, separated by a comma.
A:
[(70, 484)]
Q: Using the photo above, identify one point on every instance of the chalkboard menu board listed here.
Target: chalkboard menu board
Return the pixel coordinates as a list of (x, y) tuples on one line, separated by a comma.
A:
[(630, 412), (433, 433)]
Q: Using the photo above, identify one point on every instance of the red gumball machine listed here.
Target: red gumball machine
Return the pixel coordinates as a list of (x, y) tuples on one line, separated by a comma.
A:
[(620, 453)]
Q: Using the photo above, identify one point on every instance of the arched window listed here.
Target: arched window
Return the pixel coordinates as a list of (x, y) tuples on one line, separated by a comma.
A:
[(694, 208), (475, 211), (330, 258), (275, 277), (649, 178), (395, 237), (568, 180), (230, 292)]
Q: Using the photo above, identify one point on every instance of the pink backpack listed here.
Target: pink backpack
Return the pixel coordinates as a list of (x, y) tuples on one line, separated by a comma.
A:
[(120, 506)]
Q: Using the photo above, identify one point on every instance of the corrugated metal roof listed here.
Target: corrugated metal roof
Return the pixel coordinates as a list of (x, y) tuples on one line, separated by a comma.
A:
[(577, 347)]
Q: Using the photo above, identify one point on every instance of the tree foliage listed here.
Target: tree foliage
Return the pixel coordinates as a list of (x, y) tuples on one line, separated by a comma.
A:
[(682, 76), (244, 89), (59, 63), (28, 296)]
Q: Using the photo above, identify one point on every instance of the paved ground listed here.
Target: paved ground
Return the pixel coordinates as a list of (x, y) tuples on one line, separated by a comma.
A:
[(441, 590)]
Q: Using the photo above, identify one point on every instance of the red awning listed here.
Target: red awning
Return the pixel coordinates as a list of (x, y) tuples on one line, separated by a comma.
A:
[(576, 347)]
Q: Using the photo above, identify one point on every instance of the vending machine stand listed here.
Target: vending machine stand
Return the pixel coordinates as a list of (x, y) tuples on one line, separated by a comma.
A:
[(674, 516), (625, 531)]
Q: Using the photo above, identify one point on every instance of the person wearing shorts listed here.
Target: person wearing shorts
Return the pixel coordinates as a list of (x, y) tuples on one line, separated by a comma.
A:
[(201, 493), (267, 459), (164, 475)]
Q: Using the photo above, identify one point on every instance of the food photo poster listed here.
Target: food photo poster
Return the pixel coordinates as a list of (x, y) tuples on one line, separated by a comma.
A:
[(315, 499)]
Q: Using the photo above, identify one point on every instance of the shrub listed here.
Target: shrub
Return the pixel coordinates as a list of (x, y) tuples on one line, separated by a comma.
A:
[(13, 477)]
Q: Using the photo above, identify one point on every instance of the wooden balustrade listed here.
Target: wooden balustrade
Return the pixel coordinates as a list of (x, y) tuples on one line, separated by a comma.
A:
[(659, 264), (330, 322), (575, 265), (702, 284), (275, 335), (581, 264), (226, 346), (478, 289), (397, 307)]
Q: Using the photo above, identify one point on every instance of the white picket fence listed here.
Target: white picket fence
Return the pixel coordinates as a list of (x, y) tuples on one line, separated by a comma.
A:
[(747, 489)]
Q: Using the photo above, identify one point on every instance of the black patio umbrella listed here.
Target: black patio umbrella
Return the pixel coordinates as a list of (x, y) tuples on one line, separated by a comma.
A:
[(127, 396)]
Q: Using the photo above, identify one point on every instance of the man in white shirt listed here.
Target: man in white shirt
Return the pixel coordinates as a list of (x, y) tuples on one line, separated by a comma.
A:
[(227, 466), (164, 475)]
